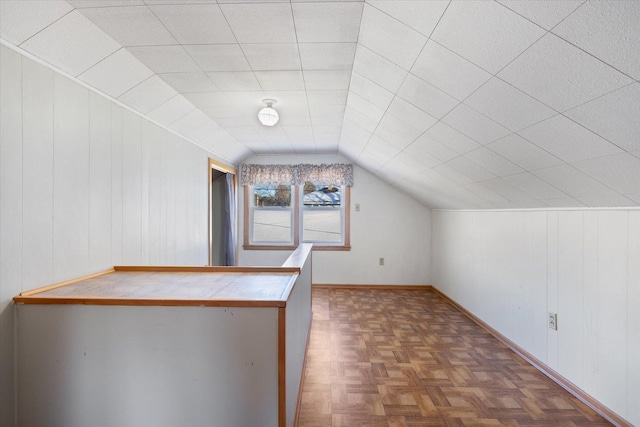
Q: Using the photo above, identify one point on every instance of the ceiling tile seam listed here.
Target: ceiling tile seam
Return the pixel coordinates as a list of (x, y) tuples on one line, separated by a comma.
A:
[(49, 25), (535, 23), (171, 99), (402, 83), (583, 173), (593, 56), (405, 77), (199, 66), (304, 82), (580, 124)]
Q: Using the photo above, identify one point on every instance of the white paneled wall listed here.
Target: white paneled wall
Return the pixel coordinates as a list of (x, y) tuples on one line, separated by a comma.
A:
[(511, 268), (85, 185), (389, 225)]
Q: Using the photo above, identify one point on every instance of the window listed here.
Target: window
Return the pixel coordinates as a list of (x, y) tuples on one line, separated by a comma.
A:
[(272, 215), (287, 204), (280, 216)]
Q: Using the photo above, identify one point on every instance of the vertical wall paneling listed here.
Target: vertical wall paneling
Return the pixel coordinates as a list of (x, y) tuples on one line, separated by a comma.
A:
[(146, 142), (10, 217), (100, 180), (132, 188), (538, 271), (70, 179), (570, 294), (590, 302), (71, 193), (633, 302), (170, 174), (116, 185), (582, 264), (552, 286), (37, 175), (612, 302)]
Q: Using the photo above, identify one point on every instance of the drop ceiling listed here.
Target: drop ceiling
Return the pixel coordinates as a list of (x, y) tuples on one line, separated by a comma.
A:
[(461, 104)]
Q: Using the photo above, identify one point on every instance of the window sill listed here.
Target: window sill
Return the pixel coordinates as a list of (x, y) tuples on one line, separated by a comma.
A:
[(291, 248)]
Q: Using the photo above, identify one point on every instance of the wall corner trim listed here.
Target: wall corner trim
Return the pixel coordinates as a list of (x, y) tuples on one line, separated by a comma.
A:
[(576, 391)]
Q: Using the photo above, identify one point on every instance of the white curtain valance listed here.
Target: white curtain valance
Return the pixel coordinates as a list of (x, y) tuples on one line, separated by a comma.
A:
[(335, 173)]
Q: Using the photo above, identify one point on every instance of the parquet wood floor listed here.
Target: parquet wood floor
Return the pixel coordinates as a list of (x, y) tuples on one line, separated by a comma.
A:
[(408, 358)]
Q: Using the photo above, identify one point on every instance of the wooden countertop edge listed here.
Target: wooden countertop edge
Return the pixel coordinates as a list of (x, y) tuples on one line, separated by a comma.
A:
[(65, 283), (141, 302), (207, 269)]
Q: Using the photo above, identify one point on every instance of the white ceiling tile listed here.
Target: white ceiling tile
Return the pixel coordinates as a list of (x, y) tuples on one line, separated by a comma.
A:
[(327, 80), (366, 108), (474, 125), (261, 22), (611, 199), (72, 43), (621, 172), (474, 29), (495, 200), (195, 24), (327, 97), (276, 57), (426, 97), (80, 4), (507, 105), (208, 99), (378, 69), (567, 202), (223, 112), (396, 132), (418, 153), (230, 122), (451, 138), (408, 164), (422, 16), (20, 20), (327, 56), (131, 25), (506, 190), (448, 71), (573, 182), (608, 30), (370, 91), (230, 81), (493, 162), (148, 95), (524, 153), (535, 186), (152, 2), (634, 197), (452, 174), (613, 116), (471, 169), (410, 114), (561, 75), (189, 82), (327, 22), (116, 74), (380, 148), (192, 120), (390, 38), (165, 59), (219, 57), (435, 149), (172, 110), (329, 111), (545, 13), (568, 140)]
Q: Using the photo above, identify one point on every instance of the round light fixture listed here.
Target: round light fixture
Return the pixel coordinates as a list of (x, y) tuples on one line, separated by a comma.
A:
[(268, 116)]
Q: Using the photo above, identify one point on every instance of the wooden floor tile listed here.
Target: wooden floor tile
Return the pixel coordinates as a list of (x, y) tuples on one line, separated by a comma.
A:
[(406, 358)]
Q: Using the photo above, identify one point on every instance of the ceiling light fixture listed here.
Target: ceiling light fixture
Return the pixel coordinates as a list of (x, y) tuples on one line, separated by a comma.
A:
[(268, 116)]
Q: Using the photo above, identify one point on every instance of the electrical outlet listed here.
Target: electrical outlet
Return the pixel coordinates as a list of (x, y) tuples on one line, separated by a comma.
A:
[(357, 207), (553, 321), (381, 261)]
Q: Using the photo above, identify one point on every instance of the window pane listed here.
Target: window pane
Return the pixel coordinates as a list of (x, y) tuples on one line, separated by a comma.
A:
[(271, 225), (271, 195), (322, 224), (321, 194)]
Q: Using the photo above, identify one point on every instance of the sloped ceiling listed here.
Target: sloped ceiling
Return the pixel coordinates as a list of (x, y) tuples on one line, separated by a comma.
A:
[(465, 104)]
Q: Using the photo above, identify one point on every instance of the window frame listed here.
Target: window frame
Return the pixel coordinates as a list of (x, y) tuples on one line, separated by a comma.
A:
[(298, 208)]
